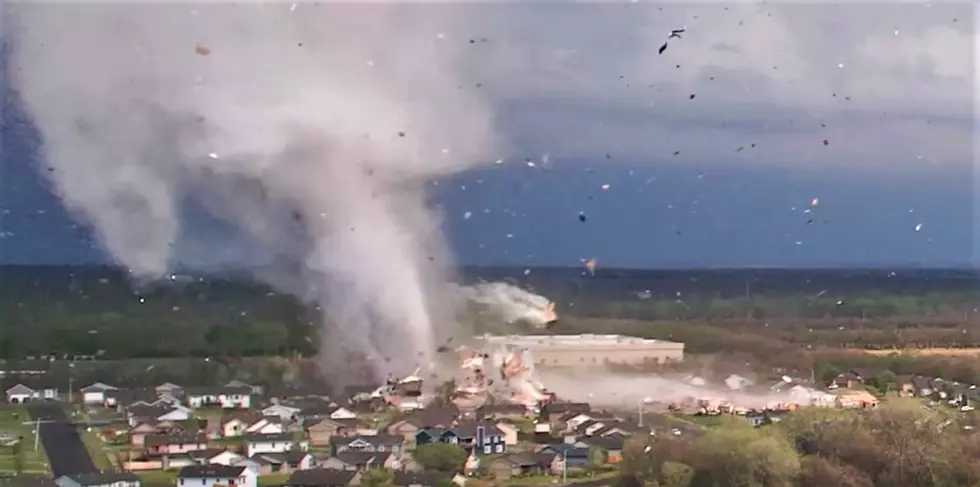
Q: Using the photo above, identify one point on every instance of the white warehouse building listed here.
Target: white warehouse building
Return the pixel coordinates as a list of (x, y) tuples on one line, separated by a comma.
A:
[(580, 350)]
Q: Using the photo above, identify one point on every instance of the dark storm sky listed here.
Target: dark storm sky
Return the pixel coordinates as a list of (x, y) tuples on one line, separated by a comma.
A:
[(893, 101)]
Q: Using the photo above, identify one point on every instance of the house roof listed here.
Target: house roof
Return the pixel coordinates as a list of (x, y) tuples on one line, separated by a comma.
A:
[(20, 389), (103, 478), (175, 439), (363, 458), (218, 390), (210, 472), (273, 437), (564, 449), (468, 429), (321, 477), (98, 387), (372, 439), (407, 477), (607, 443)]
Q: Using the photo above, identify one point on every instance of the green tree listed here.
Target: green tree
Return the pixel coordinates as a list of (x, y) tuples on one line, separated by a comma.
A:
[(676, 474), (378, 477), (440, 457), (744, 456), (597, 457)]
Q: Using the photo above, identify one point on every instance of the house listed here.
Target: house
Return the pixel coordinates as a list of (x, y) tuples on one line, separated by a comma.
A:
[(25, 480), (275, 443), (923, 386), (137, 414), (856, 399), (157, 445), (21, 393), (508, 431), (223, 397), (363, 443), (168, 388), (256, 390), (95, 393), (544, 463), (845, 380), (341, 413), (431, 417), (99, 479), (234, 426), (214, 475), (215, 456), (284, 462), (361, 461), (266, 425), (575, 456), (286, 413), (481, 436), (611, 446), (500, 411), (319, 431), (323, 477)]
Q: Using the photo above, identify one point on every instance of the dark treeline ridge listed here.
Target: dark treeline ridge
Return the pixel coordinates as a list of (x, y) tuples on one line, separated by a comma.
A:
[(98, 311)]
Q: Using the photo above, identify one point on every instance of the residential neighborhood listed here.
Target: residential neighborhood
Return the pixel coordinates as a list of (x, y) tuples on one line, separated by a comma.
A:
[(241, 434)]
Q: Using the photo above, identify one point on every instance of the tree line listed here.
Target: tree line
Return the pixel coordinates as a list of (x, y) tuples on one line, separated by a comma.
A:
[(112, 319), (899, 444)]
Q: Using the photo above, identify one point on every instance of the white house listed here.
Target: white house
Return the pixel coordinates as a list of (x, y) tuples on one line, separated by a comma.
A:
[(95, 393), (168, 388), (210, 475), (270, 425), (237, 383), (20, 394), (226, 458), (173, 413), (342, 413), (277, 443), (285, 413), (98, 479), (223, 397)]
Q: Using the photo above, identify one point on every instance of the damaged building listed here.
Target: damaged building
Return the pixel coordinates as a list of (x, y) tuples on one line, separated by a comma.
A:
[(588, 349)]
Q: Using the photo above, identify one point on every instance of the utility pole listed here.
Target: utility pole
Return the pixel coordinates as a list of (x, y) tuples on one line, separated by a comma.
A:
[(639, 412), (564, 467)]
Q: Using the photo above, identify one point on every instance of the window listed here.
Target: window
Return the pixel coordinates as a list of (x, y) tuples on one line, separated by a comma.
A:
[(381, 448), (486, 449), (500, 448)]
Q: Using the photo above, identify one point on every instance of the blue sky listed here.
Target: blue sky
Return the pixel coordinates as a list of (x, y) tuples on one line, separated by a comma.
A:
[(580, 91)]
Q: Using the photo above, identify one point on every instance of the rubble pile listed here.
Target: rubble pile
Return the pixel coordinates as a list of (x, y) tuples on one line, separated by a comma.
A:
[(505, 375)]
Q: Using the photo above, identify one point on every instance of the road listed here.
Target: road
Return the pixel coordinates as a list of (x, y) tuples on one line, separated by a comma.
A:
[(64, 447)]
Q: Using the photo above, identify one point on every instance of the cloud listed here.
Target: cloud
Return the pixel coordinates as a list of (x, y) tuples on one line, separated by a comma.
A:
[(883, 83)]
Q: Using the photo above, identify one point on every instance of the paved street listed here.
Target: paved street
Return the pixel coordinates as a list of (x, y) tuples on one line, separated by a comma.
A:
[(64, 447)]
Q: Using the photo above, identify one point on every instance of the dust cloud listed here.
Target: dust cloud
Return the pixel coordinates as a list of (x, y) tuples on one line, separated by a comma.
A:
[(305, 135)]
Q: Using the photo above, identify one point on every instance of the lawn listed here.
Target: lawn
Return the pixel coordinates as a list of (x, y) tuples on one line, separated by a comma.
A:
[(12, 419), (96, 450), (169, 477)]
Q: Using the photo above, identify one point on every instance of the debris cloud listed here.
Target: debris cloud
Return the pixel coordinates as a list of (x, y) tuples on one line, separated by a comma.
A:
[(306, 138), (512, 303)]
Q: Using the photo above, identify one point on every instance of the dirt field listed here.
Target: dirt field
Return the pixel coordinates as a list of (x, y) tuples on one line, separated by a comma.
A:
[(948, 352)]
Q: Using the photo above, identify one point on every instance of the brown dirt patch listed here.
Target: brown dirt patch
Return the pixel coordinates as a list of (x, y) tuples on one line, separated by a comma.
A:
[(930, 352)]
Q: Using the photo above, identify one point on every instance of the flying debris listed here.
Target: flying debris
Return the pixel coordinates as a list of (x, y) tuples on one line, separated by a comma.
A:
[(590, 266), (674, 34)]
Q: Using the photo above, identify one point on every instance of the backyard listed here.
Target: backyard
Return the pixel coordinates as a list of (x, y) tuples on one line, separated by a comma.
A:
[(17, 445)]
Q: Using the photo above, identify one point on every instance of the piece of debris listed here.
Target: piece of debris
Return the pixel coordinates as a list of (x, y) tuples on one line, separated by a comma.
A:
[(202, 50), (674, 34), (581, 216)]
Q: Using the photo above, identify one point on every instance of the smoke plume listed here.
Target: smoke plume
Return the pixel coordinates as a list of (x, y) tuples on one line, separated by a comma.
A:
[(303, 134)]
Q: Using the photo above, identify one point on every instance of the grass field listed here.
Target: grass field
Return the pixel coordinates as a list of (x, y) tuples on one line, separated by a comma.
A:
[(12, 419), (929, 352), (169, 477)]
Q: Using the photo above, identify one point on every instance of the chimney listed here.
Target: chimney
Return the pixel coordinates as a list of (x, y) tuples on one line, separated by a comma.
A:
[(480, 432)]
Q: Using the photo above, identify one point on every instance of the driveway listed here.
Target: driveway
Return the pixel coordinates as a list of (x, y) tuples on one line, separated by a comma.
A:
[(66, 452)]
